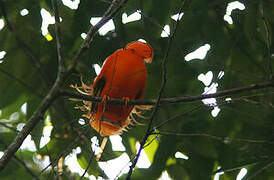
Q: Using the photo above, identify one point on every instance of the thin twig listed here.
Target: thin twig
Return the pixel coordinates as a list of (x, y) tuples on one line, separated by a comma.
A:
[(26, 167), (89, 163), (151, 141), (221, 170), (222, 139), (120, 172), (164, 79), (58, 37), (52, 167), (9, 127), (53, 162), (260, 170), (21, 82), (32, 134), (242, 98), (175, 117), (268, 41)]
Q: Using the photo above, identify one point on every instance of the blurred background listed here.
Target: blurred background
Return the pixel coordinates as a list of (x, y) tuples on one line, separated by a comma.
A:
[(218, 45)]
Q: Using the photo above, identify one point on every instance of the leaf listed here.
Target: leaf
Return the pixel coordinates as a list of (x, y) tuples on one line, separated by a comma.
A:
[(152, 147)]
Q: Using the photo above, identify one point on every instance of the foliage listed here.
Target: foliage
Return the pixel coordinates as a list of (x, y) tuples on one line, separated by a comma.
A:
[(241, 136)]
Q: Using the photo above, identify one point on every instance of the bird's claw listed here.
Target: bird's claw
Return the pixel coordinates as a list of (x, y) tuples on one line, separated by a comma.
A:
[(105, 98), (126, 99)]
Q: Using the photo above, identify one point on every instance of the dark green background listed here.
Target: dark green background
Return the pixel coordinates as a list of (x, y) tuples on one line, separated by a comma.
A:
[(240, 50)]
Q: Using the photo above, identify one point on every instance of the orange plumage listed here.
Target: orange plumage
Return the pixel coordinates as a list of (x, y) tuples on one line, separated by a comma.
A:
[(123, 75)]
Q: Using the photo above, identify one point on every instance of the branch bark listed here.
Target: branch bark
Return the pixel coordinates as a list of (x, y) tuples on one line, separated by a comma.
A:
[(172, 100), (61, 66)]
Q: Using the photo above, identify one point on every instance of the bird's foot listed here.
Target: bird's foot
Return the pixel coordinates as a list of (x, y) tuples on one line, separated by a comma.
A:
[(105, 98), (126, 99)]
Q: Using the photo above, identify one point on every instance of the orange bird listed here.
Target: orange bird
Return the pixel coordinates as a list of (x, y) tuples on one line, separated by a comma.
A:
[(123, 75)]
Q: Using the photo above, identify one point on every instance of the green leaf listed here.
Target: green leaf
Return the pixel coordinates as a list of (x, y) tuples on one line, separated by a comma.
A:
[(153, 145)]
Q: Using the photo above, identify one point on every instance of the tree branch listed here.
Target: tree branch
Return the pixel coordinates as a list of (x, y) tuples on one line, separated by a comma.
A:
[(222, 139), (171, 100), (58, 37)]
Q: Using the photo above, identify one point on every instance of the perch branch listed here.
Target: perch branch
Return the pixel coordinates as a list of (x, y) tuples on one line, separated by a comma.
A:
[(172, 100)]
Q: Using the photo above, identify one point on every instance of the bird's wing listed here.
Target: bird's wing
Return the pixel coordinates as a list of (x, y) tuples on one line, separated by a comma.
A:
[(100, 82)]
